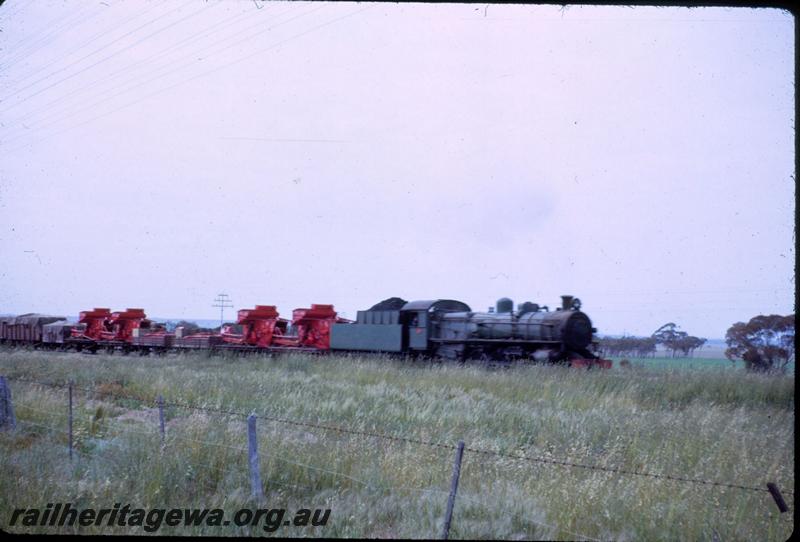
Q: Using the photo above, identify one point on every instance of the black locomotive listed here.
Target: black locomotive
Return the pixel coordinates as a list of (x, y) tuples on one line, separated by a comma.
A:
[(449, 329)]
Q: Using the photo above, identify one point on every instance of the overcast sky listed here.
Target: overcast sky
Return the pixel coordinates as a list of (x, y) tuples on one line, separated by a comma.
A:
[(156, 153)]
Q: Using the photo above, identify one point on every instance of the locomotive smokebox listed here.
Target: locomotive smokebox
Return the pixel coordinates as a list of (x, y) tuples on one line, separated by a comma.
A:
[(505, 305), (566, 302)]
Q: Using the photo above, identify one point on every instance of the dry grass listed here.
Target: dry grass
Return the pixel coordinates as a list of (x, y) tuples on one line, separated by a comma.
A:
[(713, 424)]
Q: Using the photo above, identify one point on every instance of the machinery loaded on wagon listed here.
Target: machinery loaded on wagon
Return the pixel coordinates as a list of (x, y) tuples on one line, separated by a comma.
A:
[(439, 328)]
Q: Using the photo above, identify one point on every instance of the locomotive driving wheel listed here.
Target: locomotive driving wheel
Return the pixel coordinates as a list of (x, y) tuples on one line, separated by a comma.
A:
[(484, 357)]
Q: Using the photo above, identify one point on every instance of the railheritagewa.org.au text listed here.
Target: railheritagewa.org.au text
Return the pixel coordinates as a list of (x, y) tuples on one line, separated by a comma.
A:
[(152, 519)]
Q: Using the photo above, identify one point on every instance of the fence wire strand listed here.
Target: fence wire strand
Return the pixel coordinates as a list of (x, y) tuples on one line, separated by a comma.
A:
[(409, 440)]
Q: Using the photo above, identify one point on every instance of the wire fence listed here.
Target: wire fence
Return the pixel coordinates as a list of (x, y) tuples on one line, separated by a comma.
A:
[(230, 456)]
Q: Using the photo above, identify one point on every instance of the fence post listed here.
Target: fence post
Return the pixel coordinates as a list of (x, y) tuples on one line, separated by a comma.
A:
[(161, 418), (252, 453), (70, 420), (451, 500), (776, 495), (7, 419)]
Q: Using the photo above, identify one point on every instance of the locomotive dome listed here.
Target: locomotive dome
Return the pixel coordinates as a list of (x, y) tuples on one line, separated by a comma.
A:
[(504, 305)]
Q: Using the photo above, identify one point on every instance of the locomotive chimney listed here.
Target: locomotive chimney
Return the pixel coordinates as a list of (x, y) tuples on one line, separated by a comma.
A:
[(566, 302)]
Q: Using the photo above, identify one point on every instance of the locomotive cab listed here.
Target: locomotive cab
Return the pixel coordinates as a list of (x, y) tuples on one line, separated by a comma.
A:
[(421, 319)]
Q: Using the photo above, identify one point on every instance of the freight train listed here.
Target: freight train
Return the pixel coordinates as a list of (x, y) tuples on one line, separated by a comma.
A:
[(440, 328)]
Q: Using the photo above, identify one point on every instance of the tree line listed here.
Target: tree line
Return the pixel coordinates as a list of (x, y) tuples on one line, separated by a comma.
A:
[(678, 343), (765, 343)]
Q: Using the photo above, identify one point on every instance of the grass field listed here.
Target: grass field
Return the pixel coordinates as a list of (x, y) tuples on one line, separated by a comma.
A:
[(716, 363), (714, 424)]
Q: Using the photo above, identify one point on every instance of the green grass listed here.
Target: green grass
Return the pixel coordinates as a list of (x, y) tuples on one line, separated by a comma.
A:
[(714, 424), (692, 363)]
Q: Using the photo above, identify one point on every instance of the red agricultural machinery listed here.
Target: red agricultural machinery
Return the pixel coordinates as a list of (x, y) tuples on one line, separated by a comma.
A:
[(312, 327), (259, 326), (103, 325), (262, 327), (94, 323)]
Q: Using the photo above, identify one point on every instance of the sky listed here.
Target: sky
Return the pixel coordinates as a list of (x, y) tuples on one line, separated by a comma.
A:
[(157, 153)]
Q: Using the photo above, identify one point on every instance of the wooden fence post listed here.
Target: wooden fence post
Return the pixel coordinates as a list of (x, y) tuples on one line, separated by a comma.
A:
[(252, 454), (451, 500), (777, 497), (161, 418), (70, 421), (7, 419)]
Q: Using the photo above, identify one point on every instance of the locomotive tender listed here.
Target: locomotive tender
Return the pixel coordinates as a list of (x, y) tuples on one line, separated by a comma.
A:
[(441, 328)]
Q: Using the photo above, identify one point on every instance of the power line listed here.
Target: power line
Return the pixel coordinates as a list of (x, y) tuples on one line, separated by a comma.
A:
[(223, 302), (204, 74), (93, 38), (31, 37), (145, 61), (82, 59), (20, 8), (167, 70), (27, 46)]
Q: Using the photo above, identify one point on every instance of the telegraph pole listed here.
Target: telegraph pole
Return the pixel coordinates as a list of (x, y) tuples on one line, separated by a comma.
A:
[(223, 302)]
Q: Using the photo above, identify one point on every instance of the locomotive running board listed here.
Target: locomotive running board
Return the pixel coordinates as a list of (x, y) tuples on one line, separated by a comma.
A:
[(492, 341)]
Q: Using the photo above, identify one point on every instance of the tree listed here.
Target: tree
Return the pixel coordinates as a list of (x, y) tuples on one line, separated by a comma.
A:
[(646, 347), (676, 340), (188, 327), (688, 344), (765, 343), (670, 337), (640, 347)]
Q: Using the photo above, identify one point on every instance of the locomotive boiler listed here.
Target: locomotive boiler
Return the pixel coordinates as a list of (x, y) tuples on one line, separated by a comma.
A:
[(530, 332)]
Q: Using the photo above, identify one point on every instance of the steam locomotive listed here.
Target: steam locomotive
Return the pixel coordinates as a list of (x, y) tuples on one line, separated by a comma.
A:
[(440, 328)]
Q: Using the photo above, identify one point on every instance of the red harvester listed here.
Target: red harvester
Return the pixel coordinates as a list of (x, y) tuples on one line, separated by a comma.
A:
[(95, 321), (312, 327), (259, 326), (100, 324)]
